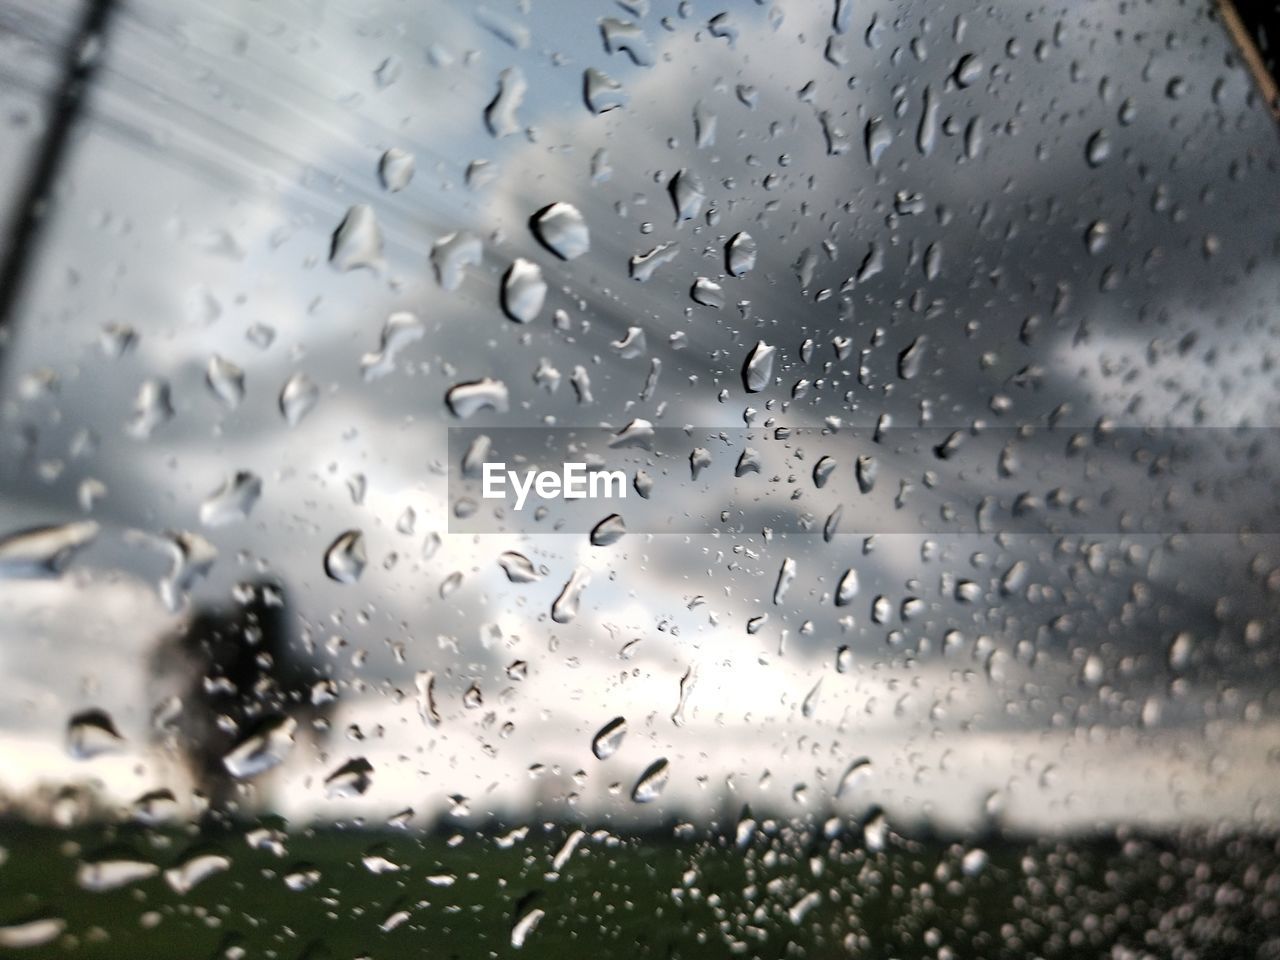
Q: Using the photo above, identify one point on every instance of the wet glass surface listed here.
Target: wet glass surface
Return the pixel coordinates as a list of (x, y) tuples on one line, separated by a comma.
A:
[(873, 659)]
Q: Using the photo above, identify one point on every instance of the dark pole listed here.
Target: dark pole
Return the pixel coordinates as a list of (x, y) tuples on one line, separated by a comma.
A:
[(65, 107)]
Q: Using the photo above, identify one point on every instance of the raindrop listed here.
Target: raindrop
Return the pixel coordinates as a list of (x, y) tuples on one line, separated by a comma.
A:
[(523, 291), (233, 501), (565, 607), (1097, 149), (395, 169), (687, 194), (345, 559), (609, 738), (357, 242), (740, 254), (262, 750), (298, 397), (104, 875), (608, 531), (786, 574), (562, 230), (757, 373), (708, 293), (500, 114), (44, 552), (848, 588), (92, 733), (226, 380), (152, 408), (652, 782), (642, 265), (185, 877), (352, 779), (451, 255), (466, 399), (911, 359), (601, 92), (518, 567), (625, 36)]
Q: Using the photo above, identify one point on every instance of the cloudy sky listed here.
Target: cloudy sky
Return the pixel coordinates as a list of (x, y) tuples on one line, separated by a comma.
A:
[(1070, 213)]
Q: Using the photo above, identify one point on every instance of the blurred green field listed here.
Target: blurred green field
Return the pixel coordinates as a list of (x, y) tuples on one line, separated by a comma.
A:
[(788, 892)]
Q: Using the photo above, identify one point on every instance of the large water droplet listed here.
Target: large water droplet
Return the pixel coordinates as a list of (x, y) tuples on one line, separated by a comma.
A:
[(297, 398), (518, 567), (92, 733), (352, 779), (565, 607), (687, 194), (345, 559), (562, 230), (786, 574), (740, 254), (608, 531), (757, 373), (500, 114), (264, 749), (44, 552), (609, 738), (601, 92), (399, 330), (189, 874), (451, 255), (466, 399), (652, 782), (395, 169), (232, 501), (523, 291), (226, 380), (152, 408), (358, 241)]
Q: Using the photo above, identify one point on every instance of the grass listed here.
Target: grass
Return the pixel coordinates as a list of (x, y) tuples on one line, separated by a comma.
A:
[(789, 892)]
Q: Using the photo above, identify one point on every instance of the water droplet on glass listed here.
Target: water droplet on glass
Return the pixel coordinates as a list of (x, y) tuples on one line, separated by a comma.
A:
[(152, 408), (451, 255), (625, 36), (609, 738), (185, 877), (562, 230), (1097, 149), (44, 552), (264, 749), (297, 398), (399, 330), (466, 399), (518, 567), (352, 779), (757, 373), (226, 380), (500, 114), (523, 291), (740, 254), (642, 265), (92, 733), (786, 574), (565, 607), (345, 559), (358, 241), (233, 501), (687, 194), (652, 782), (708, 293), (395, 169), (608, 531), (601, 92)]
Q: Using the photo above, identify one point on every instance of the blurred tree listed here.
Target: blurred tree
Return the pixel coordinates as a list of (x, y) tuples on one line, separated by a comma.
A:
[(236, 671)]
